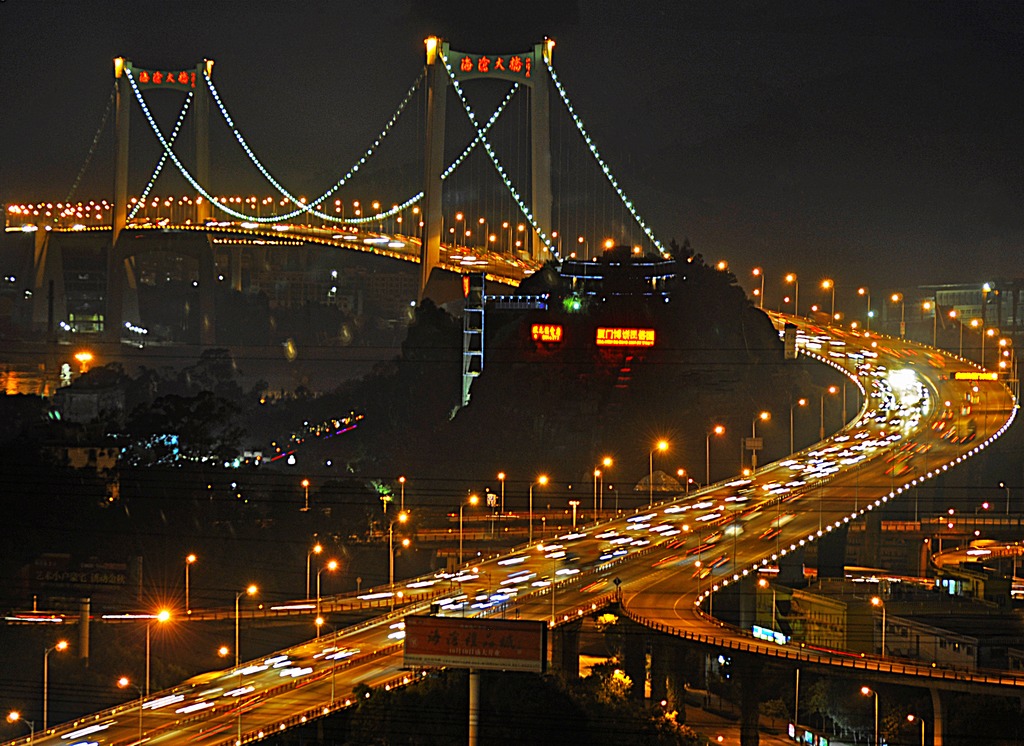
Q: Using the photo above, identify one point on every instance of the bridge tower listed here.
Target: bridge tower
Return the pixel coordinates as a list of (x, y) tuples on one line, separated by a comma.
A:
[(119, 259), (527, 69)]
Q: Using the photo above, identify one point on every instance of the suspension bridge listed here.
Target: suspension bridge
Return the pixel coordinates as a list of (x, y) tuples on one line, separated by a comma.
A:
[(470, 192)]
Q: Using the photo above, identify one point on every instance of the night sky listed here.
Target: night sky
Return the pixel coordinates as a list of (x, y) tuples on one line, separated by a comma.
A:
[(872, 142)]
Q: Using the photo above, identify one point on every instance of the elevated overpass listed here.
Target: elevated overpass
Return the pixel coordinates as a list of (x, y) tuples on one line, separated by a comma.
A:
[(645, 563)]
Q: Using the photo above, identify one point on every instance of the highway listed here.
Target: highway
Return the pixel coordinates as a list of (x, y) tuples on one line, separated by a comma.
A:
[(918, 420)]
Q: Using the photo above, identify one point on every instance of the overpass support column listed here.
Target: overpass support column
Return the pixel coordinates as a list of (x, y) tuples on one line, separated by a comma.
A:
[(749, 669), (565, 649), (936, 717), (675, 685), (635, 660)]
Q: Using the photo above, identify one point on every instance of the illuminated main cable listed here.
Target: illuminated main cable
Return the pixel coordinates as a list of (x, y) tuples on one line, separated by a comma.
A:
[(163, 158)]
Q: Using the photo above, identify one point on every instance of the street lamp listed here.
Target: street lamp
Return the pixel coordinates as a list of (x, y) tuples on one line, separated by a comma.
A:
[(933, 306), (606, 462), (331, 565), (864, 292), (473, 500), (898, 298), (59, 647), (162, 616), (764, 417), (877, 601), (830, 285), (574, 504), (1002, 486), (14, 717), (317, 548), (501, 479), (541, 480), (401, 482), (661, 445), (914, 718), (124, 682), (758, 272), (990, 332), (189, 561), (305, 489), (716, 430), (868, 692), (821, 428), (763, 582), (402, 517), (801, 402), (250, 591), (791, 278)]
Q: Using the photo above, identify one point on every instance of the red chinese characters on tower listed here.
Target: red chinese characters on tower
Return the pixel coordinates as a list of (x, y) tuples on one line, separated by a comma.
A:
[(466, 64)]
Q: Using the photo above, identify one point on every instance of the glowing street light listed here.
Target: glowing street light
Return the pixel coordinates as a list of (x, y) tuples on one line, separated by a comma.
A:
[(305, 488), (542, 480), (821, 428), (250, 591), (501, 479), (763, 417), (865, 293), (661, 445), (472, 500), (123, 683), (933, 306), (189, 561), (402, 517), (15, 717), (868, 692), (763, 583), (60, 647), (716, 430), (830, 285), (331, 566), (877, 602), (317, 549), (898, 298), (758, 272), (401, 482), (574, 504), (162, 616), (914, 718), (801, 402), (792, 278)]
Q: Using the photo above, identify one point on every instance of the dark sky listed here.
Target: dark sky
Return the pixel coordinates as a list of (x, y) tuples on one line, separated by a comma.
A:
[(873, 142)]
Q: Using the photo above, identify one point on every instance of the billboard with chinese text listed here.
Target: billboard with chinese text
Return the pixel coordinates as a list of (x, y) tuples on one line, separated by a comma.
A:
[(495, 644)]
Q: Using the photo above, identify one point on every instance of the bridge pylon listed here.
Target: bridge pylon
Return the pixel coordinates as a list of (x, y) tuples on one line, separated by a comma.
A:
[(525, 68)]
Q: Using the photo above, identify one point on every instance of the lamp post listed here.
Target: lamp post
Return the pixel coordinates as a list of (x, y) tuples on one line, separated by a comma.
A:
[(1002, 486), (401, 483), (898, 298), (990, 332), (123, 683), (401, 518), (317, 548), (792, 278), (865, 293), (473, 500), (764, 417), (877, 601), (758, 272), (681, 475), (250, 591), (59, 647), (332, 565), (661, 445), (716, 430), (162, 616), (830, 285), (821, 428), (574, 504), (305, 489), (189, 561), (15, 717), (541, 480), (801, 402), (501, 478), (606, 462), (868, 692), (933, 306), (914, 718), (765, 584)]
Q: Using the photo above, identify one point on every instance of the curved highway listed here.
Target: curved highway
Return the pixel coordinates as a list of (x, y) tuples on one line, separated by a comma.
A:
[(918, 420)]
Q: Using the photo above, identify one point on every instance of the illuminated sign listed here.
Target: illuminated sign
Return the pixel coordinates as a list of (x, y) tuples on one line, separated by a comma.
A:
[(496, 644), (515, 67), (546, 332), (614, 337), (178, 79), (975, 375)]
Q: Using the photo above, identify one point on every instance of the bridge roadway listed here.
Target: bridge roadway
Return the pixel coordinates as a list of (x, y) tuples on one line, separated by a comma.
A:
[(652, 553)]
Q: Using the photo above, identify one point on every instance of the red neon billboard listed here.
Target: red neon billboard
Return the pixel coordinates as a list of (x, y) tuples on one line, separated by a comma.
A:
[(624, 337)]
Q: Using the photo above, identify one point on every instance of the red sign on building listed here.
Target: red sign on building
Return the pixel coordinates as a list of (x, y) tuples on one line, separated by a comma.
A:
[(178, 79), (505, 66), (619, 337), (546, 332), (495, 644)]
